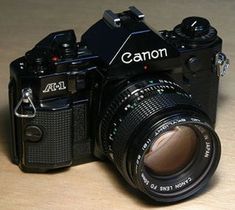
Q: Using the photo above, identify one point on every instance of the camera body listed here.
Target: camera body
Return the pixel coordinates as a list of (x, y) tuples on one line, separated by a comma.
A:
[(59, 90)]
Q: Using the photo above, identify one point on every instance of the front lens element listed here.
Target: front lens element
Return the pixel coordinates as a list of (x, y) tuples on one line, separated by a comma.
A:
[(172, 151)]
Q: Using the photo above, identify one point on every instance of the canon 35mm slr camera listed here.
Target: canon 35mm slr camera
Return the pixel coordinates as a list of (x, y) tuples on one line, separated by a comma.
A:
[(145, 100)]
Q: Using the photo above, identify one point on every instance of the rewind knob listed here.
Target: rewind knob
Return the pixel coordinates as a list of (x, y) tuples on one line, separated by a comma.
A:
[(196, 30)]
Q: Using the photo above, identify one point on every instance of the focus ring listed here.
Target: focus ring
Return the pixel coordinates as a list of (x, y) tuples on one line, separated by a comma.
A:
[(138, 116), (144, 88)]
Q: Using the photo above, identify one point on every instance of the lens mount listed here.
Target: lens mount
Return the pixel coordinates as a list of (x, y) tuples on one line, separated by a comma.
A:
[(138, 117)]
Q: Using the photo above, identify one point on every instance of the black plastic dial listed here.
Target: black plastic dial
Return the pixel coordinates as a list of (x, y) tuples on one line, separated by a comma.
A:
[(195, 30), (38, 59), (195, 26)]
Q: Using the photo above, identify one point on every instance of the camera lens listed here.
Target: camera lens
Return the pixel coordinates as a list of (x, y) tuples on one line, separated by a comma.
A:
[(172, 151), (160, 141)]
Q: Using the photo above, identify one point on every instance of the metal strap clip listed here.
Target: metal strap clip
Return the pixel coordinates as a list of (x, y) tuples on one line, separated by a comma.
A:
[(26, 98), (222, 64)]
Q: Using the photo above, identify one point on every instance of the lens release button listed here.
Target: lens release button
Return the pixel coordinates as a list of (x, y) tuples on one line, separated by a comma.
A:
[(33, 134)]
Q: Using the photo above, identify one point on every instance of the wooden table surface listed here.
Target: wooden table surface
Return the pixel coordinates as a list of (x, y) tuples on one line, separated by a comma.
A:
[(96, 185)]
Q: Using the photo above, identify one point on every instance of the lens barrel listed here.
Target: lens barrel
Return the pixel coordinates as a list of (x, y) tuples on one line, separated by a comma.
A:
[(160, 140)]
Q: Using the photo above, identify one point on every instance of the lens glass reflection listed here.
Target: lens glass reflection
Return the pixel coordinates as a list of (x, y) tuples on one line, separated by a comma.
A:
[(172, 151)]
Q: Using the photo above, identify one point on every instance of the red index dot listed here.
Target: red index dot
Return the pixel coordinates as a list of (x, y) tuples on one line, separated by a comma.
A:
[(145, 67), (54, 58)]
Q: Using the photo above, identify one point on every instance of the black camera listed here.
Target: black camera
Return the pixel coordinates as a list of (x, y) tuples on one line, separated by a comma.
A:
[(144, 100)]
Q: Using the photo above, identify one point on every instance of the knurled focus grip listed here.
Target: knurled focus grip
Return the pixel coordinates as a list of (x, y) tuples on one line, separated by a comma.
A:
[(159, 103)]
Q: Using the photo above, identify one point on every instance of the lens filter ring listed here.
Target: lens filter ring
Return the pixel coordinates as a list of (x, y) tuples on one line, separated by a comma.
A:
[(186, 181)]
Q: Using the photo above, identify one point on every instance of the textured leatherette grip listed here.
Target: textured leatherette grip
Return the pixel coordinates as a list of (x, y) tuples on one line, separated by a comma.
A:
[(55, 147), (81, 142)]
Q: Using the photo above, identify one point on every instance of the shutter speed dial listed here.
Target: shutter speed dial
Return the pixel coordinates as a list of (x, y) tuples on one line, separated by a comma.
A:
[(196, 30)]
